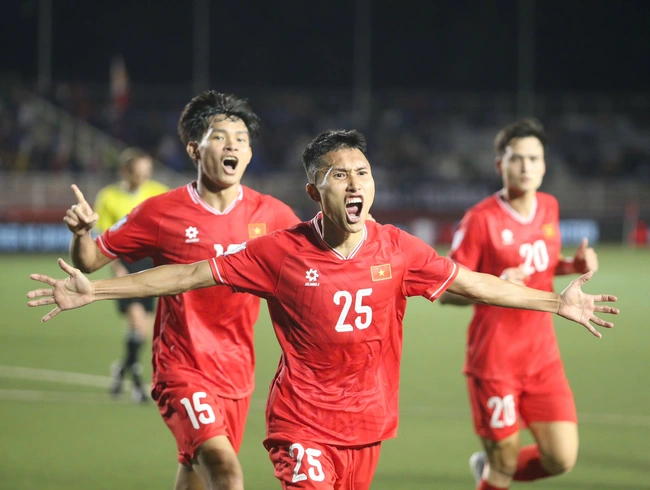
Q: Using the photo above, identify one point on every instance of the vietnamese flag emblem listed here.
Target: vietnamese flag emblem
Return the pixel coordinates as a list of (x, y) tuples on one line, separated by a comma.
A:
[(381, 272)]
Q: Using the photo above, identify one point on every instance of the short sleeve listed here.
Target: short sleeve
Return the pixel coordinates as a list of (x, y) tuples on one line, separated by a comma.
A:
[(253, 267), (468, 241), (427, 274), (133, 237)]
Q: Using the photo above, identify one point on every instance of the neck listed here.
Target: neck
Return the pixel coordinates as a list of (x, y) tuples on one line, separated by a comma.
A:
[(219, 198), (344, 242), (523, 202)]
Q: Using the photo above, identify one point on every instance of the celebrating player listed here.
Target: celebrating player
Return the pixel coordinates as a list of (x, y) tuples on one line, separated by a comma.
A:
[(203, 359), (513, 366), (112, 203), (336, 288)]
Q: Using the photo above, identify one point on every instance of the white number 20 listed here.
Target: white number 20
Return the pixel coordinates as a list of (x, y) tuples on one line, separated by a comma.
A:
[(298, 452), (364, 311), (535, 256), (504, 414), (206, 415)]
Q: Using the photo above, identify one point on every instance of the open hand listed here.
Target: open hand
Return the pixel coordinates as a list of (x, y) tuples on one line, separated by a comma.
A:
[(73, 292), (80, 218), (579, 307)]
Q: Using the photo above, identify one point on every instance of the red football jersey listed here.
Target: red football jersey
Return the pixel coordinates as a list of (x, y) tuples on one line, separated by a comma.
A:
[(505, 342), (206, 332), (339, 323)]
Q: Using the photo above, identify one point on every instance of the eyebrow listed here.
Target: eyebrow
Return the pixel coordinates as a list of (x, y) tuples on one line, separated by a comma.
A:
[(217, 130), (356, 169)]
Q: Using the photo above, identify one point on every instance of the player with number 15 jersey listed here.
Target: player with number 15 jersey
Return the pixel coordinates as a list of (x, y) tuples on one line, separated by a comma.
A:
[(192, 339)]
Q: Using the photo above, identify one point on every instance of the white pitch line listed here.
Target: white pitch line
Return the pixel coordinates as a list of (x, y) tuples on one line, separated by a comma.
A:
[(66, 377)]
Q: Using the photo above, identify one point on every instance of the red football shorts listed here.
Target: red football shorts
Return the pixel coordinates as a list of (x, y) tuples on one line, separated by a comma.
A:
[(194, 414), (307, 465), (504, 406)]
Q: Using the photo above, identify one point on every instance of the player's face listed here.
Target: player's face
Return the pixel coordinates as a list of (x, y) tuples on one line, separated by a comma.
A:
[(139, 172), (224, 152), (522, 166), (345, 189)]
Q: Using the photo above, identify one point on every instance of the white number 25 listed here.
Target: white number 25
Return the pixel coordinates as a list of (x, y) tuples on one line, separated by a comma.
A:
[(364, 311), (297, 451)]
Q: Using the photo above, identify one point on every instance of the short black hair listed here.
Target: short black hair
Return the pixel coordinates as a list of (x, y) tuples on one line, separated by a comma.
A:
[(523, 128), (329, 141), (201, 110)]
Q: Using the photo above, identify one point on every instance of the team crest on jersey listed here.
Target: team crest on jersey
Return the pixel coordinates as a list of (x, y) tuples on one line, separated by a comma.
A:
[(192, 234), (549, 230), (507, 237), (312, 276), (256, 229), (381, 272)]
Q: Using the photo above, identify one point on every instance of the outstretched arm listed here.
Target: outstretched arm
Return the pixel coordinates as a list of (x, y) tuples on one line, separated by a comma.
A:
[(76, 290), (81, 218), (512, 274), (572, 304)]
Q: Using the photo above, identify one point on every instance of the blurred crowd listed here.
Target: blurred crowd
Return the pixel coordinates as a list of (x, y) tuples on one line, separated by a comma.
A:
[(80, 128)]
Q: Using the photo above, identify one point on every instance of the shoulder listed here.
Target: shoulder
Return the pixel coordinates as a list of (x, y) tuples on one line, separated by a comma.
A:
[(108, 191), (392, 235), (547, 200), (155, 187), (162, 203)]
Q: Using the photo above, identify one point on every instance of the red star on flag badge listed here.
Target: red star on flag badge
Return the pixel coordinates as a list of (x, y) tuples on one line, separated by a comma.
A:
[(381, 272), (256, 229)]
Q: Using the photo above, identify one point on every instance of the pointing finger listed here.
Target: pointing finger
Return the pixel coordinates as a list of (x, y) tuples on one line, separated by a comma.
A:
[(77, 192)]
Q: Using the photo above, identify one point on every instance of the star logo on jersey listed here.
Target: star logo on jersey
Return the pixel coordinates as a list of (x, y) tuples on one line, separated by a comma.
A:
[(192, 234), (256, 229), (549, 230), (381, 272), (507, 237), (312, 276)]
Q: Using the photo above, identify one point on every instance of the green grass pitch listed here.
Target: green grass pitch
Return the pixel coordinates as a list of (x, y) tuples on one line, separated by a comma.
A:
[(65, 433)]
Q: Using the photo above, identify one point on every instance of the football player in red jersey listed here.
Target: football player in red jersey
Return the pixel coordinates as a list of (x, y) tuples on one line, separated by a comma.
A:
[(336, 287), (203, 359), (513, 366)]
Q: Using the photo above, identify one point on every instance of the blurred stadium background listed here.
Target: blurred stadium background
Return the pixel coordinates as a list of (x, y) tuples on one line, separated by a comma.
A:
[(430, 86)]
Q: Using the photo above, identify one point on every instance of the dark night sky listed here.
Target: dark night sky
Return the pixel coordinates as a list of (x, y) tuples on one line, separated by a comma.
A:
[(585, 45)]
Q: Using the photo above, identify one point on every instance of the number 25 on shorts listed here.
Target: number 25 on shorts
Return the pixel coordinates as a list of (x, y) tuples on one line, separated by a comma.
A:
[(315, 471)]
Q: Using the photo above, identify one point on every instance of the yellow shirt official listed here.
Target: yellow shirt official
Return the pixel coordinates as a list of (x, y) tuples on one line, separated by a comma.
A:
[(113, 202)]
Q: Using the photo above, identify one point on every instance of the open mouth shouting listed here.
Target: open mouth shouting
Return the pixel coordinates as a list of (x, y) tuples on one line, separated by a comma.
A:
[(230, 164), (353, 207)]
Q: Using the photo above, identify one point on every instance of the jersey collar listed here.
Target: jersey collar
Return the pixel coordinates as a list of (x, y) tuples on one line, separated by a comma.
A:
[(514, 214), (317, 226), (194, 195)]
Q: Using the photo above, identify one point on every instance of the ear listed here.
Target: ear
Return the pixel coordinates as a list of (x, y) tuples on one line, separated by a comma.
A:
[(192, 149), (312, 192), (497, 165)]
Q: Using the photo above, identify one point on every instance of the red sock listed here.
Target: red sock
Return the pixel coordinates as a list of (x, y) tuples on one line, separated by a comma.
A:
[(483, 485), (529, 466)]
